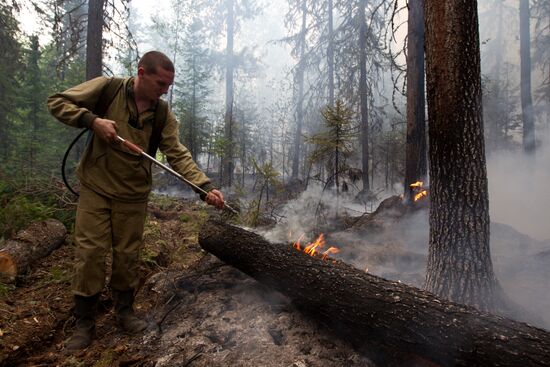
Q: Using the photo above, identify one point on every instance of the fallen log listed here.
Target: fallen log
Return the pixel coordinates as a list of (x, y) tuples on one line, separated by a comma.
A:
[(371, 311), (29, 245)]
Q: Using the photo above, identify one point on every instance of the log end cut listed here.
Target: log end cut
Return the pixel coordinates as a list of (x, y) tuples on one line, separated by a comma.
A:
[(35, 242), (8, 268)]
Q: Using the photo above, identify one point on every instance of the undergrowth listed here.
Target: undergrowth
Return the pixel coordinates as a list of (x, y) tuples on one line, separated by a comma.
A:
[(29, 199)]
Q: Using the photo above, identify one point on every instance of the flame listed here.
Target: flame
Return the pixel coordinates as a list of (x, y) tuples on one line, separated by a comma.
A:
[(331, 250), (319, 242), (420, 195), (313, 248), (297, 245)]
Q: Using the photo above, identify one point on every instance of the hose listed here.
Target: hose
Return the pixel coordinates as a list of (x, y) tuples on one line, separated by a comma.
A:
[(64, 163)]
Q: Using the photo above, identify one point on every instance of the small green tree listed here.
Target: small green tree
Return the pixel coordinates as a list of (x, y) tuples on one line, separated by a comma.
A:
[(192, 88), (334, 146), (266, 176)]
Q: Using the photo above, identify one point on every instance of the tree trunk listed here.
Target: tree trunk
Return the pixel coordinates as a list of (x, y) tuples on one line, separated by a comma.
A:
[(94, 39), (416, 158), (459, 261), (28, 246), (526, 99), (330, 54), (363, 93), (300, 97), (371, 311), (227, 175)]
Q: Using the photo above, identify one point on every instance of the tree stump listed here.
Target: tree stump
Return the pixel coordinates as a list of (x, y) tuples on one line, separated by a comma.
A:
[(29, 245), (371, 311)]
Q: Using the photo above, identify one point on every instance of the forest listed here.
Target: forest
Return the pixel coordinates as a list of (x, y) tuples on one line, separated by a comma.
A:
[(407, 141)]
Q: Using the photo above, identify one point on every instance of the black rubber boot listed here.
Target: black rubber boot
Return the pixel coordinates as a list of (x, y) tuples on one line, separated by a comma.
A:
[(84, 330), (125, 316)]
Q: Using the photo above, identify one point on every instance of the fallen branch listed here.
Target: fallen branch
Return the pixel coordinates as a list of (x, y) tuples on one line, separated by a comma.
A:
[(371, 311)]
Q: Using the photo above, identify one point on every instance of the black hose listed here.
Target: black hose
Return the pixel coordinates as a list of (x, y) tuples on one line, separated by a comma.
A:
[(65, 161)]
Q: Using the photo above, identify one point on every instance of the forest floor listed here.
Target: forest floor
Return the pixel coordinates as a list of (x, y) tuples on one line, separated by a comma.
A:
[(201, 311), (205, 313)]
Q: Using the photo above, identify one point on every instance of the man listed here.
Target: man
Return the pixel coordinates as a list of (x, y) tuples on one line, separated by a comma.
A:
[(115, 184)]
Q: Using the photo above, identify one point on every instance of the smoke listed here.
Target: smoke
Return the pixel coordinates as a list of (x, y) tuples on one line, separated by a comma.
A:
[(519, 191), (395, 244), (307, 214)]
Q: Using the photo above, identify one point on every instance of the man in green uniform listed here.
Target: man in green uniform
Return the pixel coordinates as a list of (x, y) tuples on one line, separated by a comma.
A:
[(115, 184)]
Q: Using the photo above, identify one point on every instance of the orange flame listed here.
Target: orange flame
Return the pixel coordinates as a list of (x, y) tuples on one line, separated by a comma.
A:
[(417, 184), (312, 249), (420, 195)]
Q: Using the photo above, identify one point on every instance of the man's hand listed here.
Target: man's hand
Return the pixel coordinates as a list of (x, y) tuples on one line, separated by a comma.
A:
[(215, 198), (105, 129)]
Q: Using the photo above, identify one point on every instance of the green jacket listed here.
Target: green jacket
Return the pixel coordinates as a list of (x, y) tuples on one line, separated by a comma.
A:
[(113, 170)]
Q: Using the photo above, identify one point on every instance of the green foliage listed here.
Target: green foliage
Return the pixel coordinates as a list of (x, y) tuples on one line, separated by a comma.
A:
[(19, 212), (29, 199), (333, 146), (57, 275), (5, 289)]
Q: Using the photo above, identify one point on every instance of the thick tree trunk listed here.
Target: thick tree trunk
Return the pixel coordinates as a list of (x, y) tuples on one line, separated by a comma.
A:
[(416, 158), (459, 261), (28, 246), (371, 311), (94, 39), (526, 98)]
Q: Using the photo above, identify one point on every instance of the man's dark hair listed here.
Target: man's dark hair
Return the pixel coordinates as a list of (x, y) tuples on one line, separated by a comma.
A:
[(150, 60)]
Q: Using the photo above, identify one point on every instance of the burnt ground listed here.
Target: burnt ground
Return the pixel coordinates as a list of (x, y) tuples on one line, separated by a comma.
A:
[(205, 313), (202, 312)]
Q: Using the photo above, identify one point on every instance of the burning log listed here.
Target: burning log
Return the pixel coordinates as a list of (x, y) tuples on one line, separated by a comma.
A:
[(29, 245), (371, 311)]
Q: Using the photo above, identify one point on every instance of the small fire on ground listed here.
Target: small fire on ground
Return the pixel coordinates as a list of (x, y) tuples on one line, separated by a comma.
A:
[(314, 248), (418, 190)]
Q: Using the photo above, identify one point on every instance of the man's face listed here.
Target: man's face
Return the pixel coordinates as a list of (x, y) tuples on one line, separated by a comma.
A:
[(154, 85)]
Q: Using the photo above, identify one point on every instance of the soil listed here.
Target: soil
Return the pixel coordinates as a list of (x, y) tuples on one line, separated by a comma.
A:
[(201, 311), (205, 313)]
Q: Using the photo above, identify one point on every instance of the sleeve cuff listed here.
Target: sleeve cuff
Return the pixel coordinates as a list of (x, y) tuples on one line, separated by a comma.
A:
[(206, 187), (86, 120)]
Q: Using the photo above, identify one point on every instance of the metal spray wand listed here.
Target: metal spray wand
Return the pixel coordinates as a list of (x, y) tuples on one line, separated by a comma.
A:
[(136, 149)]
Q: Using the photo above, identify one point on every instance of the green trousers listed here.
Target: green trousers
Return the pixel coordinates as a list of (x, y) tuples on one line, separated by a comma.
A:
[(103, 224)]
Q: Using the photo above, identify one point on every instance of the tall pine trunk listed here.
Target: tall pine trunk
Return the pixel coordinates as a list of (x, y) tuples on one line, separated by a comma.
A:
[(459, 261), (94, 39), (330, 55), (526, 99), (364, 98), (300, 96), (415, 156), (227, 167)]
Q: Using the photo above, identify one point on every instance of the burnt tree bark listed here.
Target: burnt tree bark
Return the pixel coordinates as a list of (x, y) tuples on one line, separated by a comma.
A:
[(459, 261), (29, 245), (371, 311), (415, 156)]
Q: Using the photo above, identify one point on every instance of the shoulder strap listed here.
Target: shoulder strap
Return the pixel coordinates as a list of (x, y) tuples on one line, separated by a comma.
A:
[(161, 114), (107, 96)]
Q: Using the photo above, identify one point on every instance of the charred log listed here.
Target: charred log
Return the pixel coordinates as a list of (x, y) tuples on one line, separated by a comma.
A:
[(371, 311), (29, 245)]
